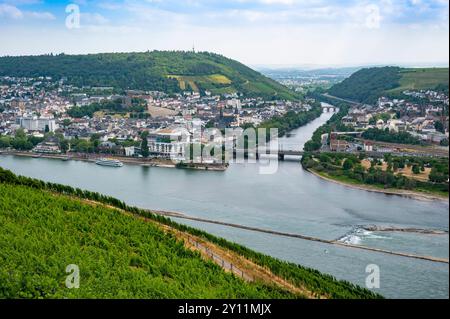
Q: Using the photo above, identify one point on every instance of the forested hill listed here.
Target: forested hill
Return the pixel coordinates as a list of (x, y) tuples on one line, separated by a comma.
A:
[(168, 71), (367, 85)]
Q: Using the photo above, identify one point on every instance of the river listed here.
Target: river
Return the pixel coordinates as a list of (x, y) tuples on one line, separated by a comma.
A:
[(291, 200)]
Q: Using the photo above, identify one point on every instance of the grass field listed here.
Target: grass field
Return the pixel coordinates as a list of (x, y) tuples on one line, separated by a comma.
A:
[(205, 81), (422, 79)]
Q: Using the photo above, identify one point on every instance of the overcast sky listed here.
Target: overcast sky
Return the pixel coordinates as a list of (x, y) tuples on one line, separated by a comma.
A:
[(255, 32)]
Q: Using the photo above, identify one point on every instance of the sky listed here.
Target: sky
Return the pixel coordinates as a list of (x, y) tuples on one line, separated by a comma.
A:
[(274, 33)]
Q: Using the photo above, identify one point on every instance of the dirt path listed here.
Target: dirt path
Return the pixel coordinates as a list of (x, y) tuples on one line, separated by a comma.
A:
[(228, 260), (237, 264)]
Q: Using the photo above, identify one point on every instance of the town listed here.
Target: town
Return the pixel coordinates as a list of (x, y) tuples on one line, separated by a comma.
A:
[(43, 116), (419, 121)]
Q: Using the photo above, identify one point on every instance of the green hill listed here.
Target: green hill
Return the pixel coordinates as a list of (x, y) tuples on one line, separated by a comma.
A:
[(47, 226), (168, 71), (367, 85), (118, 256), (422, 79)]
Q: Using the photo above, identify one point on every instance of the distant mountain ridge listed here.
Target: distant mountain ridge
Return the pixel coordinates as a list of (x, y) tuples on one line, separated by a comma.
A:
[(368, 84), (168, 71)]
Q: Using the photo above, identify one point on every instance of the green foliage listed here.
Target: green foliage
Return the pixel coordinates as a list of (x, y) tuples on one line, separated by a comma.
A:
[(439, 126), (416, 169), (291, 120), (5, 142), (423, 79), (21, 141), (156, 70), (437, 175), (106, 244), (348, 166), (390, 137), (144, 148), (333, 124), (66, 122), (111, 106), (383, 116), (367, 85), (118, 256), (21, 144)]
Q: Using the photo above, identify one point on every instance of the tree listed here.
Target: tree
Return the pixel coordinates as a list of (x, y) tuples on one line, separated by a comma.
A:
[(439, 126), (144, 145), (20, 133), (5, 142), (64, 145), (416, 169), (395, 166), (66, 122), (437, 177), (348, 164)]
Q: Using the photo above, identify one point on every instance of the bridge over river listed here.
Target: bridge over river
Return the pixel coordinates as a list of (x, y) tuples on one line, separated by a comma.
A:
[(294, 150)]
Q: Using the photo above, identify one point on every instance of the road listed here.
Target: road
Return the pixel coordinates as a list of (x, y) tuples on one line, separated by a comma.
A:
[(341, 99)]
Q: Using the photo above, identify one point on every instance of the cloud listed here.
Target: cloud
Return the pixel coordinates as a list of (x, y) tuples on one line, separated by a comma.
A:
[(12, 12), (369, 14), (39, 15), (252, 31), (93, 19), (22, 2), (373, 16)]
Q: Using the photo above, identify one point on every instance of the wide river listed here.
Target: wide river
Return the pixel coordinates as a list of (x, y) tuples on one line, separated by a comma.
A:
[(291, 200)]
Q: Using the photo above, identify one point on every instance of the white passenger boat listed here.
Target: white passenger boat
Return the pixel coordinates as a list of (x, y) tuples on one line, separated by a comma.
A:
[(109, 162)]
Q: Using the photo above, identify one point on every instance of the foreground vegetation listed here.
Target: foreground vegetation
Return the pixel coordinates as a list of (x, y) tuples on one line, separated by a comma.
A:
[(121, 257), (165, 71), (118, 256)]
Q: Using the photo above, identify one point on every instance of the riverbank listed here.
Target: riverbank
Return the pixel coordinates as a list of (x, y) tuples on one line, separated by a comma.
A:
[(92, 158), (388, 191)]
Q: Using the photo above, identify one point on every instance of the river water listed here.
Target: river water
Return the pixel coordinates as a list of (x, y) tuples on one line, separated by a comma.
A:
[(291, 200)]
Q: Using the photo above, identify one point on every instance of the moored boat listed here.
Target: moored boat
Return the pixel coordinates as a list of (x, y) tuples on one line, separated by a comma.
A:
[(109, 162)]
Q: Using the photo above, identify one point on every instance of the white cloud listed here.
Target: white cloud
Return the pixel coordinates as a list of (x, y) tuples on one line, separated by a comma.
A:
[(271, 32), (373, 16), (10, 11), (40, 15), (288, 2), (93, 19)]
